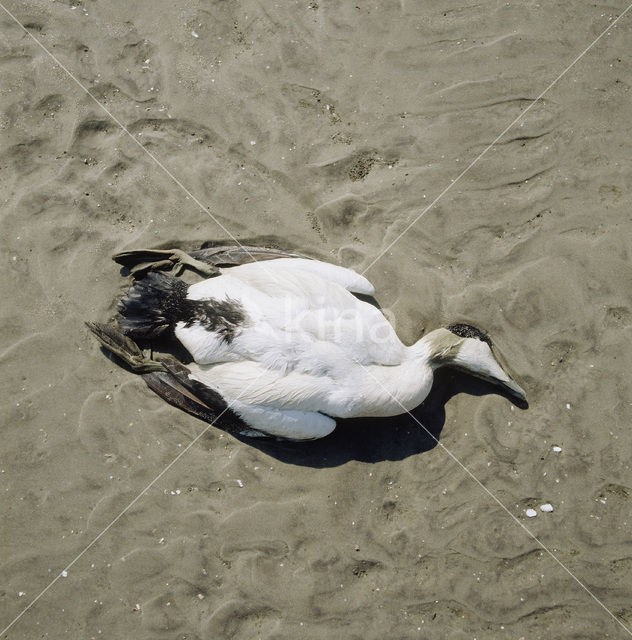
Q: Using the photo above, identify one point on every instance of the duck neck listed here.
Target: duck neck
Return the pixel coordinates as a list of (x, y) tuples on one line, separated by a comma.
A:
[(392, 390), (399, 388)]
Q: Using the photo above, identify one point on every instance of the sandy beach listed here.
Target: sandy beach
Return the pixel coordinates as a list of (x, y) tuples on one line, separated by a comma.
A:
[(372, 135)]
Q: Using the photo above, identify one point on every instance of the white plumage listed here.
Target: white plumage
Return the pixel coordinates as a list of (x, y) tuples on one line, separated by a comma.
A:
[(308, 345), (289, 347)]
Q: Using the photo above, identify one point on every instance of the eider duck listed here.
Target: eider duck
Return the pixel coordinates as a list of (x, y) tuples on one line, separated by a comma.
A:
[(281, 344)]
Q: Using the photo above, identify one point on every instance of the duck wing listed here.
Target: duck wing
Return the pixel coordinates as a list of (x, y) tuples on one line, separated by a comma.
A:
[(300, 317), (272, 274), (233, 256), (285, 312)]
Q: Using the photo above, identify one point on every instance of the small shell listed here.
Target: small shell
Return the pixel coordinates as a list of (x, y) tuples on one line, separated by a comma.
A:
[(546, 507), (531, 513)]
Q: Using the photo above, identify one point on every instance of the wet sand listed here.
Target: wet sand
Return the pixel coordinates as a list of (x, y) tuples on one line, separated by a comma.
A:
[(330, 126)]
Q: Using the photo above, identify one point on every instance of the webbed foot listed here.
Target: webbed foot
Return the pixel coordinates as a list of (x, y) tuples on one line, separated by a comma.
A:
[(141, 261), (125, 348)]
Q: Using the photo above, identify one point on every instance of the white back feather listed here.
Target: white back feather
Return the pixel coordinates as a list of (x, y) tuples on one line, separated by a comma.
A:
[(295, 319)]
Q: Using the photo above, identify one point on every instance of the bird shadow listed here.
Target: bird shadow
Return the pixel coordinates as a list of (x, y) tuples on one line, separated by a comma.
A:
[(363, 439), (377, 439)]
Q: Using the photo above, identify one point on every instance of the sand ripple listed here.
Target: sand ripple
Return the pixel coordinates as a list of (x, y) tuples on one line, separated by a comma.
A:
[(331, 126)]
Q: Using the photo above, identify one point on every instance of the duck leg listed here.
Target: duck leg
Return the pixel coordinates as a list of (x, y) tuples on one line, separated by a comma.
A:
[(205, 261), (141, 261), (123, 347)]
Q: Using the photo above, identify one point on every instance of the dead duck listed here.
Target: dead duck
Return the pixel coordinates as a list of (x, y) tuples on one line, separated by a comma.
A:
[(282, 345)]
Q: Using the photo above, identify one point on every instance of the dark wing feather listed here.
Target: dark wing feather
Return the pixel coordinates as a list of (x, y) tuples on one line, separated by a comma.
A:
[(169, 378), (175, 386), (231, 256)]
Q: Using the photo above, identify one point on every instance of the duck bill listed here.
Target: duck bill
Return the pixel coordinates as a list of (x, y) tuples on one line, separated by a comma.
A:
[(512, 388), (496, 375)]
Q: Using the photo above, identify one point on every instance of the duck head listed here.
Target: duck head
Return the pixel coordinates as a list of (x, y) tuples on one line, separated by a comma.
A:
[(467, 348)]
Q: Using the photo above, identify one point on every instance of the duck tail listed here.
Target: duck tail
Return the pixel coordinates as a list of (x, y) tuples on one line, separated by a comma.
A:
[(152, 305)]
